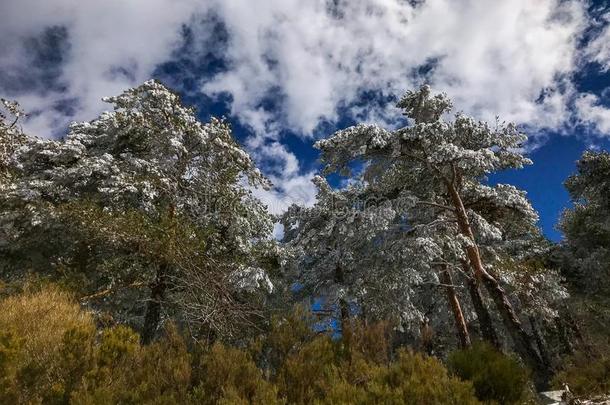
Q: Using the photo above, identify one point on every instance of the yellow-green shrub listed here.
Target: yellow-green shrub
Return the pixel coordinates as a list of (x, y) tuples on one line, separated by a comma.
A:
[(51, 353), (585, 374), (126, 372), (318, 375), (43, 346), (286, 335), (228, 375), (305, 374), (415, 378), (358, 370)]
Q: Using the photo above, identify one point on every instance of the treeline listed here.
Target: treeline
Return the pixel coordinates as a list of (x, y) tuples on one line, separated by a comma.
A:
[(136, 240)]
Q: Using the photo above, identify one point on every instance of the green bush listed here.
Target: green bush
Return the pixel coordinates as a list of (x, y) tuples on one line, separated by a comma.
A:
[(415, 378), (497, 378), (228, 375), (49, 353), (124, 372), (358, 370), (304, 376), (585, 375)]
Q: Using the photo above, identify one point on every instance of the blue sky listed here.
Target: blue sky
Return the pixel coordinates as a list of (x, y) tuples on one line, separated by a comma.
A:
[(287, 72)]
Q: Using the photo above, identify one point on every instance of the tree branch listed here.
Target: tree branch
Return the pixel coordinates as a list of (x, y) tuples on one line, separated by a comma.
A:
[(109, 291), (445, 207)]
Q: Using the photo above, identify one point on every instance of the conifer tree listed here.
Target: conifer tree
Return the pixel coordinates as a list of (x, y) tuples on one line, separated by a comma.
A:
[(436, 169), (587, 225), (153, 190)]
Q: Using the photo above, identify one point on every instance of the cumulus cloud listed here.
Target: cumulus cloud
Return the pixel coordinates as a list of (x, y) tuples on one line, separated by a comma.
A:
[(590, 108), (591, 112), (290, 66), (507, 58), (598, 50), (282, 167), (110, 45)]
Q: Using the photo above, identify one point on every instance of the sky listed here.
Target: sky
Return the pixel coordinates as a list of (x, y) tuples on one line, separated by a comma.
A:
[(288, 72)]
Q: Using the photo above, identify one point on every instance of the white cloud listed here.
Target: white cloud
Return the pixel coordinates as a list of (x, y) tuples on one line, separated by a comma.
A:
[(492, 57), (103, 36), (589, 107), (290, 186), (116, 44), (287, 191), (591, 112), (280, 165), (313, 59), (598, 50)]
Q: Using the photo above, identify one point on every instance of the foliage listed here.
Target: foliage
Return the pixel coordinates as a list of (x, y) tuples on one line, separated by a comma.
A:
[(42, 349), (126, 372), (228, 375), (585, 374), (417, 379), (143, 196), (70, 363), (432, 174), (11, 136), (586, 249), (359, 369), (539, 287), (320, 373), (496, 377), (350, 249)]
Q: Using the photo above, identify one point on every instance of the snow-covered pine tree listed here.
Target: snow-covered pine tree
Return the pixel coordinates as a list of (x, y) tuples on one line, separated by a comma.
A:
[(586, 226), (437, 167), (163, 190), (344, 249)]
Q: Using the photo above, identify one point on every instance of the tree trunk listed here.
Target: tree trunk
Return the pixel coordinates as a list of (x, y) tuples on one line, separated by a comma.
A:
[(542, 346), (564, 336), (523, 342), (343, 304), (454, 303), (488, 332), (568, 331), (344, 311), (153, 307), (206, 335), (82, 257), (364, 315), (427, 337)]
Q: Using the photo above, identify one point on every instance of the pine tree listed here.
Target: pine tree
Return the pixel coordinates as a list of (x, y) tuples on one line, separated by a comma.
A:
[(164, 200), (436, 169), (586, 226)]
